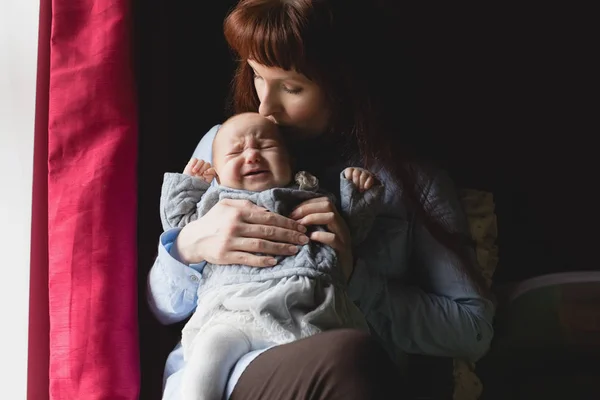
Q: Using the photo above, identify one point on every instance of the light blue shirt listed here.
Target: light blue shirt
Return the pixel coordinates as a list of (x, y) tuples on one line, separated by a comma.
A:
[(444, 315)]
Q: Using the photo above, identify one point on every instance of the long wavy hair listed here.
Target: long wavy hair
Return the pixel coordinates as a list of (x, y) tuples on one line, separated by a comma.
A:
[(347, 48)]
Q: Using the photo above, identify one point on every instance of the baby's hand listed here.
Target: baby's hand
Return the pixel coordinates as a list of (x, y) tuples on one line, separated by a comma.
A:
[(200, 169), (363, 179)]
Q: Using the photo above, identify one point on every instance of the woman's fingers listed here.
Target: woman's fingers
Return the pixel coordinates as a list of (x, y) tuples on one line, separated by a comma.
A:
[(257, 215), (272, 233), (240, 232), (318, 219), (252, 260), (255, 245), (312, 206), (327, 238)]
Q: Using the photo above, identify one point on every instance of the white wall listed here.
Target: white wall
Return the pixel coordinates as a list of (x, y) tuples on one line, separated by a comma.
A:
[(18, 66)]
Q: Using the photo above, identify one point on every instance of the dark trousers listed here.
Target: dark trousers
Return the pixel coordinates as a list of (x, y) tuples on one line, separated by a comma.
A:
[(335, 365)]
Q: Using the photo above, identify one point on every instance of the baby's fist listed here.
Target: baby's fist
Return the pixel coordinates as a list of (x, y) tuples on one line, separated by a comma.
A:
[(363, 179), (200, 169)]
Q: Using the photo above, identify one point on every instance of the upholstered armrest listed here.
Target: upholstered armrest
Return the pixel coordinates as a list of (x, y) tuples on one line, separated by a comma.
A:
[(547, 330)]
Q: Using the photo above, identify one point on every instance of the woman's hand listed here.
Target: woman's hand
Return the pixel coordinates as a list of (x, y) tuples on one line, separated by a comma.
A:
[(321, 211), (233, 230)]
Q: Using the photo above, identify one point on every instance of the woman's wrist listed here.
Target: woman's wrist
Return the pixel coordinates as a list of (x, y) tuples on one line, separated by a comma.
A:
[(176, 253), (180, 252)]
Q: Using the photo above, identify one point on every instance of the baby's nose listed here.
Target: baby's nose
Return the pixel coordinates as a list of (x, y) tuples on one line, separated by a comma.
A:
[(252, 156)]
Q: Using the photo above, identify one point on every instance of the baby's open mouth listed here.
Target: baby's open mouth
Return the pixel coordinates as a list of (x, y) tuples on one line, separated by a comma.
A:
[(258, 172)]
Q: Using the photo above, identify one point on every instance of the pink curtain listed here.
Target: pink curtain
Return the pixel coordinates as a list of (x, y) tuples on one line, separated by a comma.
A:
[(84, 285), (38, 351)]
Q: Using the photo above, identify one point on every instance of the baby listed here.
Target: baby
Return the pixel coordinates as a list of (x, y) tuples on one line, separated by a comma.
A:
[(241, 308)]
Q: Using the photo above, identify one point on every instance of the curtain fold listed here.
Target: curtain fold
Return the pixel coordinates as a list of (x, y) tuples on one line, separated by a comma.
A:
[(92, 203), (38, 346)]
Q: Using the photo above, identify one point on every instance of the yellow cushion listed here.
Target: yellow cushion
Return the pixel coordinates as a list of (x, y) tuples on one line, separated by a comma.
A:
[(480, 210)]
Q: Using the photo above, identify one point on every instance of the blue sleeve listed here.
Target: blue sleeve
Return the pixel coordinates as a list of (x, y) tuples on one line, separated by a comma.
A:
[(172, 285), (447, 316)]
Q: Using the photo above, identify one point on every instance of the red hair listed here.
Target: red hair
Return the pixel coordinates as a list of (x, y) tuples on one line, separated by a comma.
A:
[(304, 36), (342, 46)]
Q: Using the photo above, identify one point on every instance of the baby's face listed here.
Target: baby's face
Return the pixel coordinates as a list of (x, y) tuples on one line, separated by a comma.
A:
[(249, 153)]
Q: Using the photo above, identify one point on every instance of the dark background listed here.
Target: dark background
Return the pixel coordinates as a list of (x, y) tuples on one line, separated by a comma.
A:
[(503, 91)]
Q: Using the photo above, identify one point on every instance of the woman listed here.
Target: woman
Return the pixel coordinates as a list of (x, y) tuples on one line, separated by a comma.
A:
[(313, 69)]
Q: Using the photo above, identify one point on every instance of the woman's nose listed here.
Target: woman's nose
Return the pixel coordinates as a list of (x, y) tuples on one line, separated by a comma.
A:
[(269, 103)]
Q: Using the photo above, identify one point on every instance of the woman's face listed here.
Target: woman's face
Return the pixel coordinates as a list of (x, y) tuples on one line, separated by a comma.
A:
[(291, 100)]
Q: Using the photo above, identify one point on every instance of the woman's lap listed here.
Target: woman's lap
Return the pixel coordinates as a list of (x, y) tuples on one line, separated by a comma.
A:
[(338, 364), (174, 371)]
